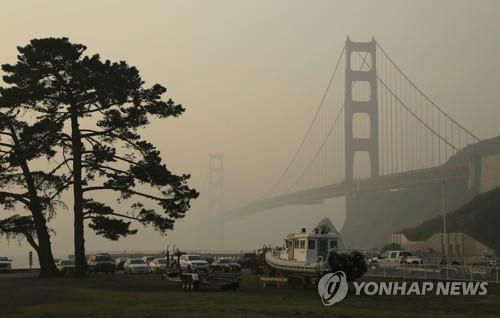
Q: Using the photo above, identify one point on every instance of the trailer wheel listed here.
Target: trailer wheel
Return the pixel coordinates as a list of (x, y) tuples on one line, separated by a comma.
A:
[(295, 282), (184, 282), (196, 285), (190, 283)]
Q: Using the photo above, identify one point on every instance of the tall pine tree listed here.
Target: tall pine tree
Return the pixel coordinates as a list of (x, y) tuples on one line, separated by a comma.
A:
[(103, 105), (36, 191)]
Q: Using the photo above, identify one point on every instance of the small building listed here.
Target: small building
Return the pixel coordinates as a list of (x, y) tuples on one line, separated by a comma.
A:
[(460, 245)]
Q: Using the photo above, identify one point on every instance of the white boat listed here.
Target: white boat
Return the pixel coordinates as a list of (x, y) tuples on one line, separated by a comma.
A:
[(306, 253)]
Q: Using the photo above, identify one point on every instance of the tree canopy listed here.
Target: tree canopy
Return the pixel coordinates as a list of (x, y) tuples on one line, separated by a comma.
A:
[(97, 109), (36, 191)]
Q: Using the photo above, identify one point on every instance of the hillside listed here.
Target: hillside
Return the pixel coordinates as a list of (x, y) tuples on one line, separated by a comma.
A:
[(480, 218), (389, 212), (482, 148)]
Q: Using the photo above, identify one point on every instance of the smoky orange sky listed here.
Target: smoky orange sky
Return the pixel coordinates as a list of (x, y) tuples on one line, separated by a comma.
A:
[(251, 74)]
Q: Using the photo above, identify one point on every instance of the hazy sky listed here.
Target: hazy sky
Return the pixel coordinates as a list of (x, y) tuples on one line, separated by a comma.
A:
[(251, 74)]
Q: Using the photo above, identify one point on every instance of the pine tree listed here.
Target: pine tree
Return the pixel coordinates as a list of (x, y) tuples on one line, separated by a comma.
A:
[(104, 105), (33, 190)]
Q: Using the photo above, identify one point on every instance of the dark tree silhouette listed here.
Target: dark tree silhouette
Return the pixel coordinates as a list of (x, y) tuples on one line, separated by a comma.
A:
[(103, 104), (33, 190), (19, 225)]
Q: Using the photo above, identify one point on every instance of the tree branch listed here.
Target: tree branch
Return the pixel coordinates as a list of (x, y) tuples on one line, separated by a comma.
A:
[(6, 145), (16, 196), (31, 240), (129, 191), (117, 214)]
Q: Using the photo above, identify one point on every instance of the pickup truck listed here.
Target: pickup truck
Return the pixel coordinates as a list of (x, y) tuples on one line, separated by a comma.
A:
[(395, 258), (101, 263)]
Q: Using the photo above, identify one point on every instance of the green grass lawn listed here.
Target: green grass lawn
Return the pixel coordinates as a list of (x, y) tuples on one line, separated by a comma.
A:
[(22, 295)]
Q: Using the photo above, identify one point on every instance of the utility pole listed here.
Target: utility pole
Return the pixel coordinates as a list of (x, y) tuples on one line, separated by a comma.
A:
[(216, 198), (445, 235)]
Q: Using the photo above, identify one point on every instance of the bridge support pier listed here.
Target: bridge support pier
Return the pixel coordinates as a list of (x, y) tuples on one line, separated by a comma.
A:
[(353, 106)]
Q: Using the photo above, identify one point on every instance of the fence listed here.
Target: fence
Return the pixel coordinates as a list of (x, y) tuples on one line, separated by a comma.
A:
[(437, 272)]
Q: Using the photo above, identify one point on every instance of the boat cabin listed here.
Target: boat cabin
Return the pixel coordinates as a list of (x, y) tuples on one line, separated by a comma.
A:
[(307, 247)]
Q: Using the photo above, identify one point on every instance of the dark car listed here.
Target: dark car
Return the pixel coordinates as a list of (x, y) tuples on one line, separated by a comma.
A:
[(248, 260), (233, 265), (119, 262), (101, 263), (5, 264)]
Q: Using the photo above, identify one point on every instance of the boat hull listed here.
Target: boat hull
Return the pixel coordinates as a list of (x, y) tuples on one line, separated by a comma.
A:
[(291, 267)]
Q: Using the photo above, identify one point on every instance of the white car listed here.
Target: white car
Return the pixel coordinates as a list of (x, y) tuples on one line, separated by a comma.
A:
[(65, 265), (158, 265), (148, 259), (396, 258), (136, 266), (5, 264), (193, 263)]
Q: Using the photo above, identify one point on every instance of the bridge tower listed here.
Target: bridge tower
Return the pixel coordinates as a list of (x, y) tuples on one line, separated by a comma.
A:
[(216, 198), (367, 106)]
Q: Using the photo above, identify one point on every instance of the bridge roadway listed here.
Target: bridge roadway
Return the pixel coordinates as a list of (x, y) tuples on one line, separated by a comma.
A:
[(373, 184)]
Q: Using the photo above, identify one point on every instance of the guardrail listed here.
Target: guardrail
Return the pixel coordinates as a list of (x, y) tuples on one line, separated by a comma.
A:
[(437, 272)]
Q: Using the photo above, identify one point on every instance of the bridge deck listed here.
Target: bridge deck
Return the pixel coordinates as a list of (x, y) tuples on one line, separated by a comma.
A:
[(380, 183)]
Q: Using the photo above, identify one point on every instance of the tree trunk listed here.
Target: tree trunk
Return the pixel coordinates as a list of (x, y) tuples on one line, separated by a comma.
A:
[(46, 259), (44, 250), (79, 235)]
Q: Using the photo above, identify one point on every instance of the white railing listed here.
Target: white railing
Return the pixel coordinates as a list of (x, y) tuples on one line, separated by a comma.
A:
[(471, 272)]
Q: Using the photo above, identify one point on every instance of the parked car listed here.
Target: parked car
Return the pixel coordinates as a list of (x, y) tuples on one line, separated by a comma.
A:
[(136, 266), (101, 263), (158, 265), (409, 258), (5, 264), (235, 267), (193, 263), (395, 259), (65, 266), (248, 260), (119, 262), (148, 259)]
